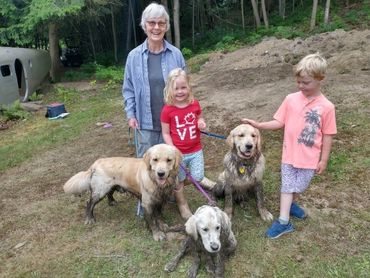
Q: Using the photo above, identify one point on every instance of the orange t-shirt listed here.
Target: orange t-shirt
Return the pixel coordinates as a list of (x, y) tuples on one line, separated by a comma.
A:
[(305, 122)]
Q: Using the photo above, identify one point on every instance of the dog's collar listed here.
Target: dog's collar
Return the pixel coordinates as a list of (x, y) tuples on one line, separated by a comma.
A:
[(248, 166), (245, 168)]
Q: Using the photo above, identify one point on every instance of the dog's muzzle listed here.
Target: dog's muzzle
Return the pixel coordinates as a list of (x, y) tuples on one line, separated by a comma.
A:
[(215, 247), (161, 177), (247, 153)]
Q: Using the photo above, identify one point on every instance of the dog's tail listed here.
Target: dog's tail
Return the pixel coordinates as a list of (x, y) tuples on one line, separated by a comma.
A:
[(79, 183)]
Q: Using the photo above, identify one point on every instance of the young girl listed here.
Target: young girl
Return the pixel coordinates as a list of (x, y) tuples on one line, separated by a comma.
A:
[(308, 118), (181, 121)]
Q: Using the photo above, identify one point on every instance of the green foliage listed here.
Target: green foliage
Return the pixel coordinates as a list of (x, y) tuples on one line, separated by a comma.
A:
[(35, 97), (95, 71), (112, 74), (197, 61), (15, 112), (187, 52)]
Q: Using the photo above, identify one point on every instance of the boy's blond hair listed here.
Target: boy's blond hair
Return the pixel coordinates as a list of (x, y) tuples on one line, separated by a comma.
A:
[(170, 86), (313, 65)]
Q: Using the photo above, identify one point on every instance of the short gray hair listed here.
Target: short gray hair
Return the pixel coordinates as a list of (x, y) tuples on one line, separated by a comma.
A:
[(154, 10)]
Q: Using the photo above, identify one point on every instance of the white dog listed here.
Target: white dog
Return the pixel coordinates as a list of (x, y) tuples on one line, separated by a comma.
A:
[(209, 232)]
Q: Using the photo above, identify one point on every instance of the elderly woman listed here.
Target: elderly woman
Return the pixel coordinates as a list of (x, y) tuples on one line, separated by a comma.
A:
[(147, 67), (146, 70)]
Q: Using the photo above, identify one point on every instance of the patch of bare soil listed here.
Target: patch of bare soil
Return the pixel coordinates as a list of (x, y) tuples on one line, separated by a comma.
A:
[(250, 82)]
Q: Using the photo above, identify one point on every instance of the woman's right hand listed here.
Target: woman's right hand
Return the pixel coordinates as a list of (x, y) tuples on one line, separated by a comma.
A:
[(133, 123)]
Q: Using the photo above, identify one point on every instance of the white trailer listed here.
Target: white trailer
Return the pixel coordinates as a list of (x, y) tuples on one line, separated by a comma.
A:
[(22, 70)]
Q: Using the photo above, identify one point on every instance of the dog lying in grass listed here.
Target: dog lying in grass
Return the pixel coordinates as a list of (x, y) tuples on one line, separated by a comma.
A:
[(151, 179), (208, 233)]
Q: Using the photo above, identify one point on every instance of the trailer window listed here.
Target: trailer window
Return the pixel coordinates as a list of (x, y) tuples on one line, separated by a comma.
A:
[(5, 70)]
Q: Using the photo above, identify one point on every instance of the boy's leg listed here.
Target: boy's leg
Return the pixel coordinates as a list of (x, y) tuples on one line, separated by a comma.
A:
[(286, 200)]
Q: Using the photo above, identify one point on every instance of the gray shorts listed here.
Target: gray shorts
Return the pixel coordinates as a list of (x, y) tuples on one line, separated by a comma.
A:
[(195, 163), (295, 180), (144, 139)]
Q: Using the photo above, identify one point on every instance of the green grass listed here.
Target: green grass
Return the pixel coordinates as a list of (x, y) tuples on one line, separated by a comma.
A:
[(40, 133)]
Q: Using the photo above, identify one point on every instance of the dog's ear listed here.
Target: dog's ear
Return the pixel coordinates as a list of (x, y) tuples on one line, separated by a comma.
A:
[(178, 159), (259, 146), (230, 139), (146, 158), (225, 221), (191, 227)]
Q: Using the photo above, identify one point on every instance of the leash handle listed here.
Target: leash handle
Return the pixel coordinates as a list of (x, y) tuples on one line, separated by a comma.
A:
[(213, 135), (197, 185)]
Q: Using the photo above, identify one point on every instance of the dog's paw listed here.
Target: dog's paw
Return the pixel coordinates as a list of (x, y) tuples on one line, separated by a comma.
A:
[(266, 215), (159, 236), (89, 221), (112, 203), (169, 267)]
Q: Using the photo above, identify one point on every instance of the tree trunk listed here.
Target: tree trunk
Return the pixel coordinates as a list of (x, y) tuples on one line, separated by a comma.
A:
[(282, 6), (193, 26), (313, 16), (327, 12), (54, 52), (128, 29), (91, 37), (242, 10), (265, 19), (114, 34), (176, 22), (169, 32), (256, 15)]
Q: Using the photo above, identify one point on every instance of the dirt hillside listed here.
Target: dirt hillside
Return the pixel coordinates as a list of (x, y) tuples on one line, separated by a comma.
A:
[(254, 80)]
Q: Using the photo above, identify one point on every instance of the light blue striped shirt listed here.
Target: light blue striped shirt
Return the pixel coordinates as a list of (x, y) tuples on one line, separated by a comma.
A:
[(136, 89)]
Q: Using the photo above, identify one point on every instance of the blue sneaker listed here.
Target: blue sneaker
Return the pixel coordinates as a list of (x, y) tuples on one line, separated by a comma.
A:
[(278, 229), (297, 212)]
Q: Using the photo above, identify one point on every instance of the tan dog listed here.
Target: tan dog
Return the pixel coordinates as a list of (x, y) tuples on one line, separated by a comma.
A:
[(151, 179), (209, 233), (244, 165)]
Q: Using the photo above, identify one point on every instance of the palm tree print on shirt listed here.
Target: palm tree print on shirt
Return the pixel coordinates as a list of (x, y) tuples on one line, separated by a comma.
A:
[(307, 136)]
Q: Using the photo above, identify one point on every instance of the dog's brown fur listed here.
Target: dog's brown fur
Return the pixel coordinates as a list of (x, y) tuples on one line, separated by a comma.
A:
[(244, 165), (151, 179)]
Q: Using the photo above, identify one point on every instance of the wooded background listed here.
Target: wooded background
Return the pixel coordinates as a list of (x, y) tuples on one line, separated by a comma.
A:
[(106, 30)]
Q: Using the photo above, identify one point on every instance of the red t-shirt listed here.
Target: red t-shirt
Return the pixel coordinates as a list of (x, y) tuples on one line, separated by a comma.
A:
[(183, 124)]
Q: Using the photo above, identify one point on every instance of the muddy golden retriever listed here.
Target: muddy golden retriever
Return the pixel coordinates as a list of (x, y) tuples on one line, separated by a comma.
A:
[(244, 165), (151, 179), (210, 234)]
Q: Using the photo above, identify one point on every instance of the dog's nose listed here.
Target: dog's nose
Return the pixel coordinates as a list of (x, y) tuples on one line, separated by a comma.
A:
[(160, 174), (215, 246), (248, 146)]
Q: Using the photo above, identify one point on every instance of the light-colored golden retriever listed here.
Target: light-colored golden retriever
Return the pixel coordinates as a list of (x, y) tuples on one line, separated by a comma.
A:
[(244, 165), (209, 234), (151, 179)]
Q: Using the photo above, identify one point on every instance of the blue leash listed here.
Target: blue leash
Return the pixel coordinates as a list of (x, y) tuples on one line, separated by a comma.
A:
[(213, 135)]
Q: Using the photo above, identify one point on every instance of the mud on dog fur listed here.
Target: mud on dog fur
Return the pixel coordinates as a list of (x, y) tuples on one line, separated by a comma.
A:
[(244, 165), (209, 233), (151, 179)]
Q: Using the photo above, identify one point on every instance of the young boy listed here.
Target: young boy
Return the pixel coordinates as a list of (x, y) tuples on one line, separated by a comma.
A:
[(308, 118)]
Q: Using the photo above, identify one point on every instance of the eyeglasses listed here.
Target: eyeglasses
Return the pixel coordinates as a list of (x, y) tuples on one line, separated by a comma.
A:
[(161, 24)]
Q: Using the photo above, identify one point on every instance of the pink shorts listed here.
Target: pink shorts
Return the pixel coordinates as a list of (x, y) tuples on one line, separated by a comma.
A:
[(295, 180)]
